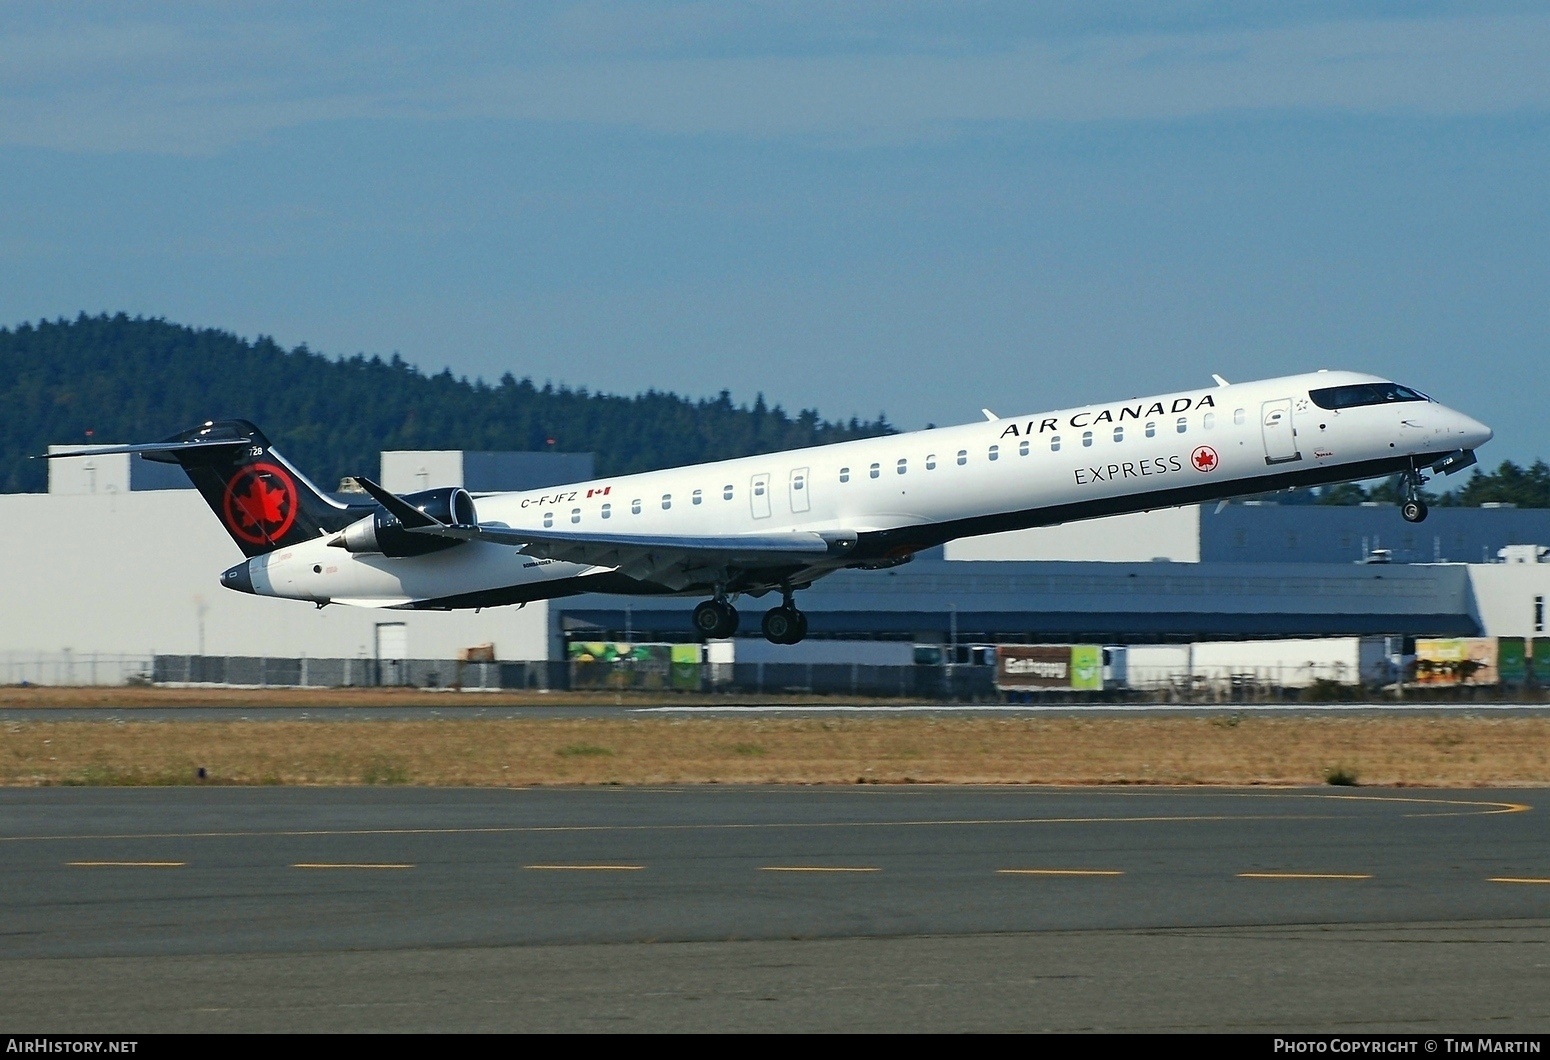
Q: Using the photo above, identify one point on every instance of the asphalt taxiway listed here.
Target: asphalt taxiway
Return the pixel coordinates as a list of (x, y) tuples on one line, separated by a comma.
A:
[(863, 907)]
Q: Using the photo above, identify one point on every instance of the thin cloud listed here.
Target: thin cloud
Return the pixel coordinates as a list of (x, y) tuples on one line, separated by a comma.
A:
[(200, 89)]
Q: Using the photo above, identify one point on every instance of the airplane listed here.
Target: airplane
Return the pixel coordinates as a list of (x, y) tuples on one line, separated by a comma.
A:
[(777, 523)]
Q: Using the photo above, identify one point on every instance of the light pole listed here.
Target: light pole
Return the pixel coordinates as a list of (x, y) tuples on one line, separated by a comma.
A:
[(200, 607)]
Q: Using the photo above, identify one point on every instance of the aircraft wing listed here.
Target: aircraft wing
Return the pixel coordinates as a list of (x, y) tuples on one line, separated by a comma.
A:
[(781, 548), (672, 560)]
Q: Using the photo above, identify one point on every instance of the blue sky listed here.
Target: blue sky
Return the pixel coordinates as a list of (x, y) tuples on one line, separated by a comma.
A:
[(860, 207)]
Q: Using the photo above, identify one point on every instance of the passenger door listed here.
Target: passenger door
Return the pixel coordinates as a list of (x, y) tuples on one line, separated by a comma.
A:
[(799, 490), (1276, 428), (759, 496)]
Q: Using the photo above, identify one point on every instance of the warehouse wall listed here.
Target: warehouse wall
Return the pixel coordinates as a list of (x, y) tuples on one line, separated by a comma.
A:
[(130, 572)]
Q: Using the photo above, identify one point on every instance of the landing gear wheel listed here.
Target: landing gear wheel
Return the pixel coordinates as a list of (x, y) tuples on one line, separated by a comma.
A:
[(784, 625), (1413, 511), (715, 619)]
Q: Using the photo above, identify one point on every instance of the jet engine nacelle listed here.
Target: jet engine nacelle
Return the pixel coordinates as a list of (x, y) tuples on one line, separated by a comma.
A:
[(381, 532)]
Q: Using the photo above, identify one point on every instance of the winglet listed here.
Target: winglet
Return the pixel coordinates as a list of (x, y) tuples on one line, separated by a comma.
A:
[(991, 416), (399, 508), (1219, 380)]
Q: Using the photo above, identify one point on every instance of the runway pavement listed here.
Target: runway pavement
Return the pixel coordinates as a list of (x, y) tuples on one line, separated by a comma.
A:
[(862, 907)]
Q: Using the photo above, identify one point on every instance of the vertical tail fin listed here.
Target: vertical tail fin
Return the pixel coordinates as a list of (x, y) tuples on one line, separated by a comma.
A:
[(263, 501)]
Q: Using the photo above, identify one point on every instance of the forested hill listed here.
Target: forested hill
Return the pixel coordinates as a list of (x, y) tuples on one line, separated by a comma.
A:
[(130, 380)]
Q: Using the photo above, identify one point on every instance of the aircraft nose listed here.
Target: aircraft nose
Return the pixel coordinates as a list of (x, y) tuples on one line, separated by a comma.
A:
[(1472, 432)]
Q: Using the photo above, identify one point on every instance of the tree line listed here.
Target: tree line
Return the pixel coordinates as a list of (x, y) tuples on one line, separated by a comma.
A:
[(1521, 487), (119, 379)]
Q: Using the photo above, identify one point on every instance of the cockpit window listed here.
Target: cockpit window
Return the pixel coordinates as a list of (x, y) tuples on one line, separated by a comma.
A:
[(1357, 394)]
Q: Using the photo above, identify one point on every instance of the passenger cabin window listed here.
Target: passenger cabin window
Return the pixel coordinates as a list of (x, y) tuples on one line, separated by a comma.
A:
[(1087, 437), (995, 452), (1237, 417), (1358, 394), (548, 519), (575, 515), (1183, 424), (875, 470), (797, 482), (608, 511), (1151, 428), (931, 462), (696, 497), (963, 456), (1022, 448), (1054, 443), (758, 488), (667, 501), (726, 493), (844, 474), (1208, 420), (1119, 434), (635, 506), (904, 465)]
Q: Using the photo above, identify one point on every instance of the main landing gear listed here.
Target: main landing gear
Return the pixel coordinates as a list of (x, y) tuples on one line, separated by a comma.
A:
[(717, 619), (1412, 509), (784, 624)]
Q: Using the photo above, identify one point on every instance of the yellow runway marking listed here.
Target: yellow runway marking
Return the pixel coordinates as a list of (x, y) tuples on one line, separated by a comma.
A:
[(585, 868), (126, 864), (1059, 872), (1518, 879), (818, 868), (1304, 875), (352, 865)]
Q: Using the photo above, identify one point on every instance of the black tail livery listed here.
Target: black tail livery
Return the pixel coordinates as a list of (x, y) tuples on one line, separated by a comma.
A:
[(263, 502)]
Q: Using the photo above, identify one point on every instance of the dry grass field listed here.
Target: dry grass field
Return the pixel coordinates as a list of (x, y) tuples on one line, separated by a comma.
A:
[(1424, 751)]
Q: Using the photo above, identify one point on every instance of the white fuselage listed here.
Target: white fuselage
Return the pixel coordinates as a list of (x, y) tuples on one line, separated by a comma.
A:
[(981, 477)]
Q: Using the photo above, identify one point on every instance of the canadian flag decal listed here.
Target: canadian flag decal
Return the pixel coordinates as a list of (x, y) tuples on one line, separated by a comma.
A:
[(603, 492)]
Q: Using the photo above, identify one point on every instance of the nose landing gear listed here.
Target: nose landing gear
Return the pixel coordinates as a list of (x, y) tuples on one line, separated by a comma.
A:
[(1412, 508), (784, 624)]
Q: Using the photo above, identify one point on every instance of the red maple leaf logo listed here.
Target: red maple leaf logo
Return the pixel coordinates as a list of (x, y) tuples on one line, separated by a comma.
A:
[(1204, 458), (260, 504)]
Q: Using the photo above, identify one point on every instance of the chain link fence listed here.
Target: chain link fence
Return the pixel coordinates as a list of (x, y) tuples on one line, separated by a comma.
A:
[(251, 672), (938, 682), (74, 669)]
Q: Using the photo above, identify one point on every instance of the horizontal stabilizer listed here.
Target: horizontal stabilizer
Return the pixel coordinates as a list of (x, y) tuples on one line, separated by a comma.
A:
[(153, 447)]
